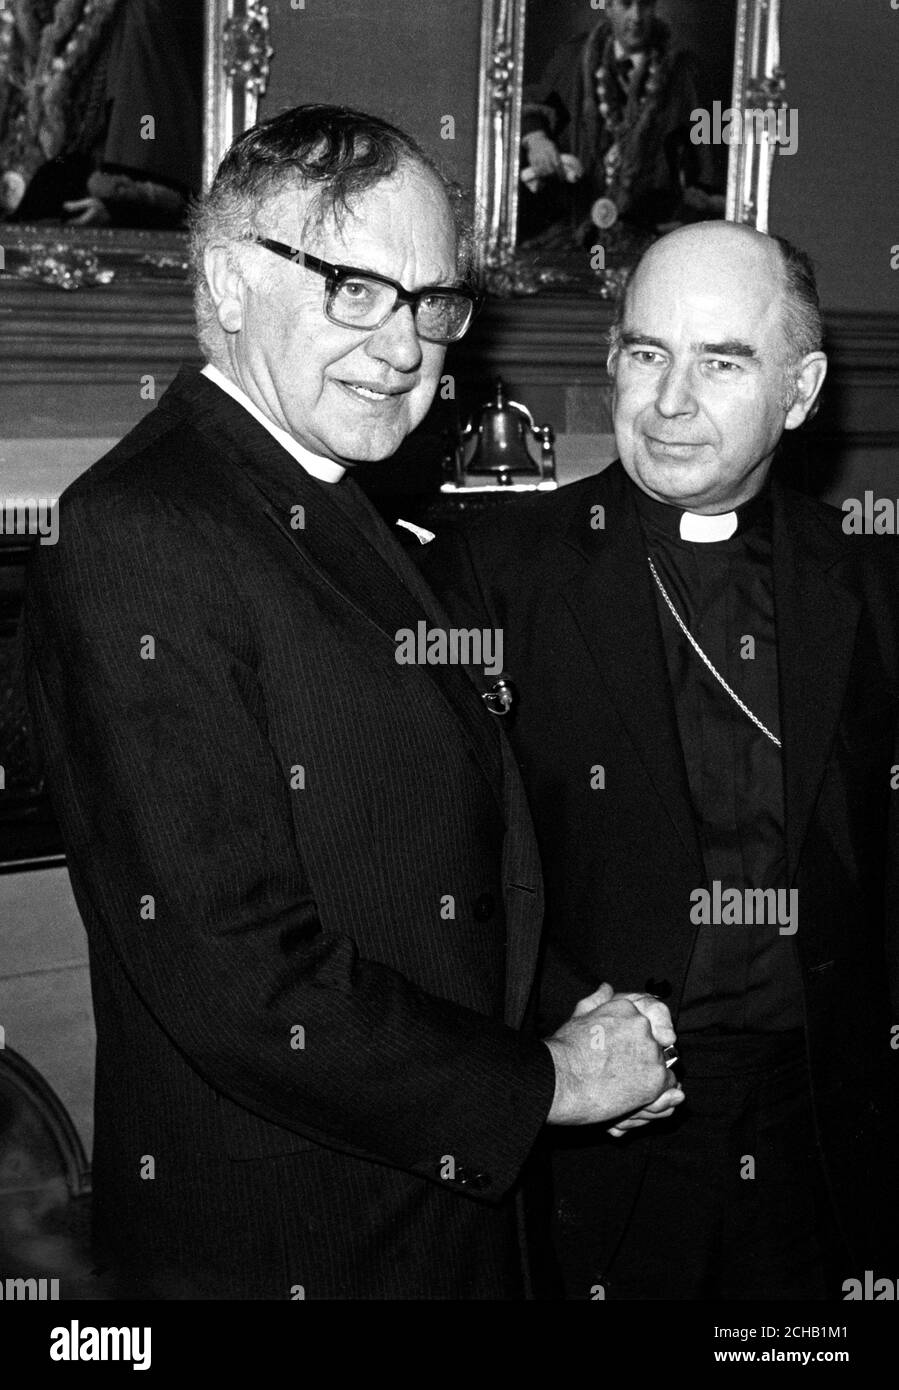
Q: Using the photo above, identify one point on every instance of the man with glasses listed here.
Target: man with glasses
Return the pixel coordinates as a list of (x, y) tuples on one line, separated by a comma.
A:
[(306, 870)]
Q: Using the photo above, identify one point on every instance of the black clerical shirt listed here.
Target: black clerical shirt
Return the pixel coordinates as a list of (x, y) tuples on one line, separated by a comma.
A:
[(741, 978)]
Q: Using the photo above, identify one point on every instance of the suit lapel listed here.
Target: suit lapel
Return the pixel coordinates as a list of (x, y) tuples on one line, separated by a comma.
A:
[(816, 624), (385, 592), (523, 894), (613, 605)]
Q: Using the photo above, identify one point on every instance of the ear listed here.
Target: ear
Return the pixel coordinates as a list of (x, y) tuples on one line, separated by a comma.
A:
[(226, 286), (807, 382)]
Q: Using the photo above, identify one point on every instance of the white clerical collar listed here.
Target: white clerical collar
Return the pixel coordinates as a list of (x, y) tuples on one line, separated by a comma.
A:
[(695, 527), (326, 470)]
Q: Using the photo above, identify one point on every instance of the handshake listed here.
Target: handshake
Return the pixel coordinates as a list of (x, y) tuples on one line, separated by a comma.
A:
[(609, 1063)]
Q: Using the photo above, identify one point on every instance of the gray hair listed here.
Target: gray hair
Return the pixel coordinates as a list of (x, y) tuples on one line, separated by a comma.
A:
[(334, 151)]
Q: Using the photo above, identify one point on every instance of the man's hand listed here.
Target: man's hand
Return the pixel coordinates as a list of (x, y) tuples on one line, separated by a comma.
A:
[(650, 1007), (660, 1109), (543, 155), (87, 212), (663, 1031), (608, 1061)]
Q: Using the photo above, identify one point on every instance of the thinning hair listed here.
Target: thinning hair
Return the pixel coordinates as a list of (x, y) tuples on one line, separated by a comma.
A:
[(802, 322), (333, 151)]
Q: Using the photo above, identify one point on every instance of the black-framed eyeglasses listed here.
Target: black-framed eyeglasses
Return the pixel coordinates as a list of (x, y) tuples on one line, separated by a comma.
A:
[(357, 298)]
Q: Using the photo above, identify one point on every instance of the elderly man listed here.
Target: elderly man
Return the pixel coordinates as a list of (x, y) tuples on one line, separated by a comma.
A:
[(306, 870), (708, 680)]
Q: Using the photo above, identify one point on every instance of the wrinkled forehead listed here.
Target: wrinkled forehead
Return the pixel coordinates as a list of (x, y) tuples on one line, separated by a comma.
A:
[(404, 214)]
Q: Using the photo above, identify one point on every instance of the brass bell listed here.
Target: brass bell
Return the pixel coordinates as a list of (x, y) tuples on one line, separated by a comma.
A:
[(504, 451)]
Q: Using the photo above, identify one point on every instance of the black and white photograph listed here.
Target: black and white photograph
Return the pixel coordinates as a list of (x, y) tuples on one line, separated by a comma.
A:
[(449, 672)]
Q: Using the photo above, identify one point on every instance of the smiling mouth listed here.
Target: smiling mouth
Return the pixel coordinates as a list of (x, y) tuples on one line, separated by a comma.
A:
[(369, 393), (676, 446)]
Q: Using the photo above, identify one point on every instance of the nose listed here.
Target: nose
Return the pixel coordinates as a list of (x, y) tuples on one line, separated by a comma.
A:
[(396, 342), (675, 395)]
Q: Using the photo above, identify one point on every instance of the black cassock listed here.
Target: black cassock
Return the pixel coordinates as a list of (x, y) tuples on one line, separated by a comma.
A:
[(733, 1202), (742, 977)]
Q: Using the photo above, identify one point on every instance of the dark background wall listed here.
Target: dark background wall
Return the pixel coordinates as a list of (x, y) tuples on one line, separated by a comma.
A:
[(410, 61), (839, 196)]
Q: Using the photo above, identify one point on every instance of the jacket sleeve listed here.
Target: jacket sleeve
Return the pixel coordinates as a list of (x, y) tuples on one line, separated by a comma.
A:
[(150, 717)]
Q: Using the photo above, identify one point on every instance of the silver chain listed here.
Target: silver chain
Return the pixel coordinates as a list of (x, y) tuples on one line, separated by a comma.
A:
[(701, 654)]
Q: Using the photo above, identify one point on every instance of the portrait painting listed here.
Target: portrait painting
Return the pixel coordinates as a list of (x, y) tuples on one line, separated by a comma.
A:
[(100, 112), (612, 149)]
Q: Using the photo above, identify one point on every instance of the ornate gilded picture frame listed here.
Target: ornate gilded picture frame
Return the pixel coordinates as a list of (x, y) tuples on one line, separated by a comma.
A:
[(753, 126)]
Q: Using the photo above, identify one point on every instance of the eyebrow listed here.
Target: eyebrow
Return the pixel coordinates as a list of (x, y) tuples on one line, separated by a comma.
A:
[(731, 347), (458, 283)]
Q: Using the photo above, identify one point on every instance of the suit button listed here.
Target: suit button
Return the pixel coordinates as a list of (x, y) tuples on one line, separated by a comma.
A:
[(660, 988), (484, 908), (467, 1177)]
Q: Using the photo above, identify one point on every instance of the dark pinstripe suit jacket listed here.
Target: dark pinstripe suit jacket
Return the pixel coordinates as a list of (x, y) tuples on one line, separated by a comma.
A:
[(307, 874)]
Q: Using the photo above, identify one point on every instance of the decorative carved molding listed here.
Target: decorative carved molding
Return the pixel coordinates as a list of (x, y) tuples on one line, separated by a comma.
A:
[(238, 54), (112, 333), (758, 85), (83, 257), (246, 50), (64, 266), (109, 334), (499, 128)]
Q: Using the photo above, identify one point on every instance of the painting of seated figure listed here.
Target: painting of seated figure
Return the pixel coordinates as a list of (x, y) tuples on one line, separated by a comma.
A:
[(100, 111), (612, 148)]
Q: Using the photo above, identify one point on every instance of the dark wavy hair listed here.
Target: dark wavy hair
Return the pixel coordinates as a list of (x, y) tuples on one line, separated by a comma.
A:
[(336, 152)]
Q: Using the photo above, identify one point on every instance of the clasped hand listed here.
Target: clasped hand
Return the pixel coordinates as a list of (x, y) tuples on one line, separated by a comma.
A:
[(609, 1063)]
